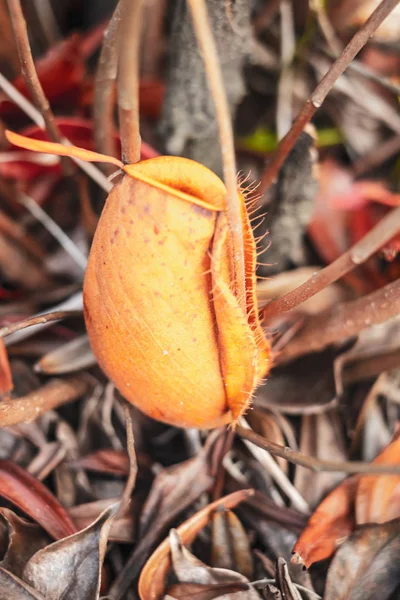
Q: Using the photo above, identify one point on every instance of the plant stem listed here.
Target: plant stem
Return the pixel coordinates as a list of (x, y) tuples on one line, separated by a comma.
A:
[(377, 237), (323, 88), (310, 462), (212, 67), (28, 69), (104, 90), (128, 79), (343, 322)]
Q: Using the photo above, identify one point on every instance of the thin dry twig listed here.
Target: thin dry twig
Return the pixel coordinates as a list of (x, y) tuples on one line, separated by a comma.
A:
[(128, 79), (53, 394), (104, 91), (323, 88), (212, 67), (377, 237), (315, 464), (28, 69), (65, 242), (344, 322), (57, 315)]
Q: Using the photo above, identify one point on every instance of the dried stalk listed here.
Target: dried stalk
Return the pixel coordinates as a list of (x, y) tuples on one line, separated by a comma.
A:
[(128, 79), (377, 237), (212, 67), (29, 71), (343, 322), (104, 90), (323, 88), (53, 394), (315, 464)]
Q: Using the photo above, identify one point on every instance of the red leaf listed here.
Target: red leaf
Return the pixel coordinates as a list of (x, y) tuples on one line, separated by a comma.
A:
[(32, 497), (61, 72)]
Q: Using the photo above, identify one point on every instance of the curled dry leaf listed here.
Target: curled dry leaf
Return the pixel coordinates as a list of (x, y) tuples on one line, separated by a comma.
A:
[(366, 567), (33, 498), (153, 575), (153, 346), (329, 525), (71, 568)]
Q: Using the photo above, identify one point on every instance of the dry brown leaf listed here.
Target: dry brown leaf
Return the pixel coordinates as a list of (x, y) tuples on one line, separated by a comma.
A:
[(24, 540), (13, 588), (71, 568), (366, 567), (294, 389)]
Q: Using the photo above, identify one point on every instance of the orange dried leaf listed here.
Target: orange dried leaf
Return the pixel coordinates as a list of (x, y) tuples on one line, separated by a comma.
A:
[(378, 496), (329, 525), (6, 382)]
